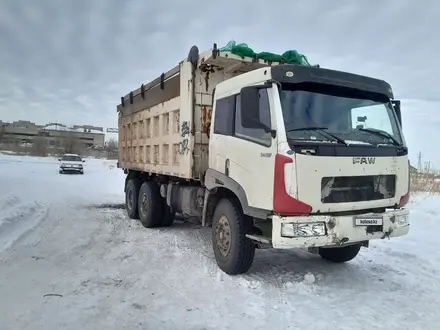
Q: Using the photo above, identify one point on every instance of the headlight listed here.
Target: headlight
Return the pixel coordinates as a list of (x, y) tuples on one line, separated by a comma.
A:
[(303, 229), (402, 220)]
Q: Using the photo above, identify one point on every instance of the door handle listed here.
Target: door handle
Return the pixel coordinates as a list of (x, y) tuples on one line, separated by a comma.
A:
[(227, 167)]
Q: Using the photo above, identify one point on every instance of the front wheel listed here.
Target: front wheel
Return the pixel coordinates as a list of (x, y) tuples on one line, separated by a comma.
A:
[(340, 254), (233, 251)]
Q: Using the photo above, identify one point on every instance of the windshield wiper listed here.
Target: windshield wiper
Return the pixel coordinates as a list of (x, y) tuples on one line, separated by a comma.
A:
[(312, 128), (319, 129), (381, 133)]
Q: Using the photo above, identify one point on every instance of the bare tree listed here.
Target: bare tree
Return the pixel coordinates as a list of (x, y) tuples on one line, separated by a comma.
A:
[(112, 145), (71, 144), (2, 132), (112, 148), (39, 147)]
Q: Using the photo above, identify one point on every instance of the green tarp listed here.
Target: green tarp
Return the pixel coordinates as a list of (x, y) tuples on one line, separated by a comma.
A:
[(290, 56)]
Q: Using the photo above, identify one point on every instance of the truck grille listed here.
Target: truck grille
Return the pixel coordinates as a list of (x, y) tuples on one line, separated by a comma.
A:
[(348, 189)]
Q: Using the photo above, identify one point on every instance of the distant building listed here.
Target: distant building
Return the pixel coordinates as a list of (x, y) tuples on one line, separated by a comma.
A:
[(412, 169), (25, 132)]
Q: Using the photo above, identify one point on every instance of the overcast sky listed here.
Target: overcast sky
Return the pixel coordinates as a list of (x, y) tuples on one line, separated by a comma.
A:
[(71, 60)]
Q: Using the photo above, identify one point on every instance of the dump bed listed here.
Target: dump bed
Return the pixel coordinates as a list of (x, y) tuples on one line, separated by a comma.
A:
[(163, 125)]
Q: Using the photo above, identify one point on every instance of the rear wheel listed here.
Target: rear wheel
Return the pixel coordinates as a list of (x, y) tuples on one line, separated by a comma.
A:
[(233, 251), (150, 205), (131, 198), (340, 254)]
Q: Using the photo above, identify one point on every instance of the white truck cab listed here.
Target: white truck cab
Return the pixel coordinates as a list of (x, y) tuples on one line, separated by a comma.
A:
[(325, 161), (297, 157)]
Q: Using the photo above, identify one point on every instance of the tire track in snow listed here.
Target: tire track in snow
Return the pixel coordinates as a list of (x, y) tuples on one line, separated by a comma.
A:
[(265, 276), (8, 201), (47, 232), (185, 248), (174, 254), (18, 218), (118, 228)]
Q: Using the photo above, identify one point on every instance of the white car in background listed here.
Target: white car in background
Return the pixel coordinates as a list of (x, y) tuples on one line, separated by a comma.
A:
[(71, 163)]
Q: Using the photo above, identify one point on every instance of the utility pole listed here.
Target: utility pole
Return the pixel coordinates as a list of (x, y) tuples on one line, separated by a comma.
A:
[(419, 163)]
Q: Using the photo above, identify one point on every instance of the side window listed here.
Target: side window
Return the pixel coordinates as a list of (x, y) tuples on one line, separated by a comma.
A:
[(256, 135), (373, 116), (224, 116)]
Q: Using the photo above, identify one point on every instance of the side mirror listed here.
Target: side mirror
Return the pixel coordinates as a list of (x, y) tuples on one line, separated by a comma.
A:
[(59, 159), (84, 161), (396, 106), (250, 109)]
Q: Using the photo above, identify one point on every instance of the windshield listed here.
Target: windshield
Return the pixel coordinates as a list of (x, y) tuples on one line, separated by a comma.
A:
[(71, 158), (354, 117)]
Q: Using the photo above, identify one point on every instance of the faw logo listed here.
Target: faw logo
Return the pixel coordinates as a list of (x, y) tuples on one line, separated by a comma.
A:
[(364, 160)]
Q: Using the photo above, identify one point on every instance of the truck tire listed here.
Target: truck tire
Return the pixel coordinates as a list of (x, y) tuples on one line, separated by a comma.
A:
[(342, 254), (131, 198), (150, 205), (233, 251), (167, 216)]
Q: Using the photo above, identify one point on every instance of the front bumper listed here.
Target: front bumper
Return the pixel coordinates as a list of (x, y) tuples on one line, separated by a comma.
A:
[(316, 231), (71, 169)]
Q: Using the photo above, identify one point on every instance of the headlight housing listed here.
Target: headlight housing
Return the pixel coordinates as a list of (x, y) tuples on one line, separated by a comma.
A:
[(401, 220), (310, 229)]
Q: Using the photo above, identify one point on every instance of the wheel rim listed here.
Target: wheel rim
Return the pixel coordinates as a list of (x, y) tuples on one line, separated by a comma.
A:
[(130, 199), (223, 235), (143, 205)]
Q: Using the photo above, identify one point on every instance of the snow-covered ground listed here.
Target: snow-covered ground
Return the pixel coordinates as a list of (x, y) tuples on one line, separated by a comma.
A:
[(71, 259)]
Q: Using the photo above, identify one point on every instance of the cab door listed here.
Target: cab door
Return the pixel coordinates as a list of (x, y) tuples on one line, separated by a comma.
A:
[(245, 155)]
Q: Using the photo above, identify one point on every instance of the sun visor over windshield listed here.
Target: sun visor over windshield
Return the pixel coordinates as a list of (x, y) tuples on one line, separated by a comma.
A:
[(294, 74)]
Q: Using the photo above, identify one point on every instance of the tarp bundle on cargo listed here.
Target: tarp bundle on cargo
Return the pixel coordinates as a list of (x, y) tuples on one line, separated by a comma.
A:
[(289, 56)]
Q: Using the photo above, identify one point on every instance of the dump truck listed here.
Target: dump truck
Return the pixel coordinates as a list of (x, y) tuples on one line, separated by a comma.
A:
[(268, 154)]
